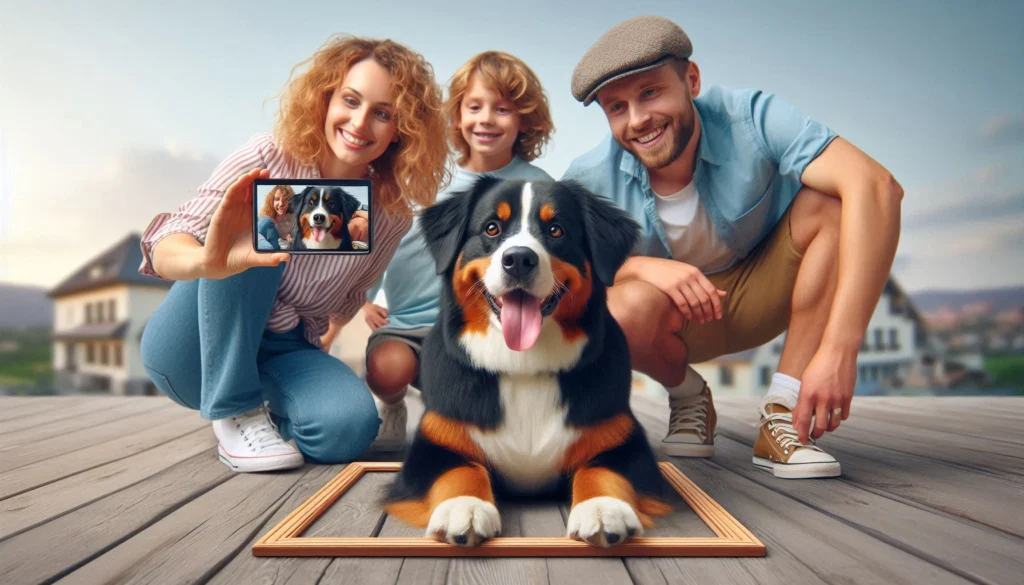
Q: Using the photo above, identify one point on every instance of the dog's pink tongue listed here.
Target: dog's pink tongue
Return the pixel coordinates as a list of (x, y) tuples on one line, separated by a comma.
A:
[(520, 320), (319, 234)]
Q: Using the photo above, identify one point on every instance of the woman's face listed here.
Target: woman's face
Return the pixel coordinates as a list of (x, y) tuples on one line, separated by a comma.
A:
[(360, 118), (280, 203)]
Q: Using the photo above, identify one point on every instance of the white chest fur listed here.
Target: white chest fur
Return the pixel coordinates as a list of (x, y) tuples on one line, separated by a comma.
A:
[(531, 442)]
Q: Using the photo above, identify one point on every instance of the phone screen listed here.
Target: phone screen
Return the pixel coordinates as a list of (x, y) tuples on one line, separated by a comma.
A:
[(312, 216)]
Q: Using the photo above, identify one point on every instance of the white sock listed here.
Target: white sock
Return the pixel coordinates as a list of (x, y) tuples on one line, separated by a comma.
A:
[(784, 390), (692, 384)]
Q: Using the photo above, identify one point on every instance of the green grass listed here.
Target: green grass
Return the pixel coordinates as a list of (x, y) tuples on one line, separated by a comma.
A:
[(1007, 370), (32, 362)]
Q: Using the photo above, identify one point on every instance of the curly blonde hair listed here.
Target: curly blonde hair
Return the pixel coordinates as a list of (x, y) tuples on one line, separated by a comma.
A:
[(515, 81), (268, 202), (412, 170)]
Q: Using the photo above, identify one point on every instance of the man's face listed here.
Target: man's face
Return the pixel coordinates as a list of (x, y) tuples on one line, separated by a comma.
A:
[(650, 114)]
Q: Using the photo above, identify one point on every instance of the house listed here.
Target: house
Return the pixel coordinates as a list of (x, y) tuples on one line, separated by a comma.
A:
[(895, 351), (99, 313)]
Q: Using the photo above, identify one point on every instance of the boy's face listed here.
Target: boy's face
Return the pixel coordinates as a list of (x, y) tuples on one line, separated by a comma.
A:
[(488, 122), (360, 117), (651, 114)]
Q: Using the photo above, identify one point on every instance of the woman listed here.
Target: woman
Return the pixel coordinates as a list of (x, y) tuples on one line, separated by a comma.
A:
[(275, 222), (238, 327)]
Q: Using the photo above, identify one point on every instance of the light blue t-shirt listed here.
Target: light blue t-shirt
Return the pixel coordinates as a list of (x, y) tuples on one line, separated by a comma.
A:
[(411, 286), (754, 147)]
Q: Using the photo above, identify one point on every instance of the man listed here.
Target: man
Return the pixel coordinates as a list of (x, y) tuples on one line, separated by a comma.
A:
[(756, 219)]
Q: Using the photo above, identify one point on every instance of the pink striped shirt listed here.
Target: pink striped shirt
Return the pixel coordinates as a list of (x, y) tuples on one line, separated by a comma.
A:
[(313, 287)]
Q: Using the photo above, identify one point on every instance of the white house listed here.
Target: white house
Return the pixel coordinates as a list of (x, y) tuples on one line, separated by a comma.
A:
[(894, 353), (99, 312)]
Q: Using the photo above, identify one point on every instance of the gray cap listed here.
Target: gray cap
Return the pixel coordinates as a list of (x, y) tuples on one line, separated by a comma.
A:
[(636, 45)]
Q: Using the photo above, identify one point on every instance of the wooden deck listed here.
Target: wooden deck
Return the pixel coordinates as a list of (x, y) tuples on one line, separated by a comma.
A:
[(126, 490)]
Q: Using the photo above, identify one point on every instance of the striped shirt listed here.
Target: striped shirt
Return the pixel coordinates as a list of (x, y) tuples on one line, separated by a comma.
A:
[(313, 287)]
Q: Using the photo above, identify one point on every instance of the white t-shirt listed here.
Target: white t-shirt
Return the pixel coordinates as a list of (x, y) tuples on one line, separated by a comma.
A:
[(691, 234)]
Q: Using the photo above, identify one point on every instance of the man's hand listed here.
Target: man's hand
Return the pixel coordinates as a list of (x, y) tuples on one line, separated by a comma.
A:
[(827, 385), (376, 315), (697, 299), (359, 226)]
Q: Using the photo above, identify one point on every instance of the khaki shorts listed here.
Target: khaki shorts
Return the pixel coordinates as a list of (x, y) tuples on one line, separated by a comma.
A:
[(759, 300)]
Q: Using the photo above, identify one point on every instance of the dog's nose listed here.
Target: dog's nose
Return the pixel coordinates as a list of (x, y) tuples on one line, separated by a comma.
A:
[(319, 218), (519, 261)]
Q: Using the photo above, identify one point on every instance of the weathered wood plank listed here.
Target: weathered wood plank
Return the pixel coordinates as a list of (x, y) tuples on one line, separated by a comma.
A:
[(498, 570), (356, 513), (965, 422), (39, 473), (12, 408), (57, 498), (545, 520), (63, 419), (56, 548), (31, 451), (196, 540)]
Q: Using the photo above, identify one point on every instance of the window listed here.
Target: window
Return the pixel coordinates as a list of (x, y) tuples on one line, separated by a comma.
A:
[(879, 340), (864, 344), (894, 341), (90, 353), (725, 375), (111, 312), (118, 355), (766, 376), (99, 313), (88, 313), (777, 349), (104, 354)]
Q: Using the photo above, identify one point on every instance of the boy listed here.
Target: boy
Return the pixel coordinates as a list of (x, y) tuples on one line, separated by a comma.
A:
[(499, 121)]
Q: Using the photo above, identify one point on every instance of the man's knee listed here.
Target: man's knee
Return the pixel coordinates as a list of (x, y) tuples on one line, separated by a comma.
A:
[(390, 367), (641, 310), (815, 215)]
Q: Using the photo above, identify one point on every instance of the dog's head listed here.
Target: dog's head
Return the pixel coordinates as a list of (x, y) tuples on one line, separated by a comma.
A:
[(518, 253), (320, 211)]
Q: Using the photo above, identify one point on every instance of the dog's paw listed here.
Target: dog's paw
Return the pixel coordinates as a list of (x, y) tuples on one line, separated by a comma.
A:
[(464, 521), (603, 522)]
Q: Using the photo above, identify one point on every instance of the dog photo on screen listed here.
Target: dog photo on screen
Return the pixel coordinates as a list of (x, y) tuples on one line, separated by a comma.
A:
[(301, 217)]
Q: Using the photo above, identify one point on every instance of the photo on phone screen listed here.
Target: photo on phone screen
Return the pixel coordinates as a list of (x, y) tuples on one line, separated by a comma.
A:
[(312, 216)]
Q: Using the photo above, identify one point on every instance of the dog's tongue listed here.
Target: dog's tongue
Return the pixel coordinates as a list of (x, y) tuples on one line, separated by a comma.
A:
[(520, 320), (319, 233)]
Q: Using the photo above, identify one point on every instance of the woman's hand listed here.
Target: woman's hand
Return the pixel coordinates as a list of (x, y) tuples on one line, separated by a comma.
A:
[(229, 248), (376, 315), (359, 226)]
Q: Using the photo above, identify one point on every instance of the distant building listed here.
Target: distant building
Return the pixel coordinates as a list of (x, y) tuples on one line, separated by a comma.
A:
[(99, 313)]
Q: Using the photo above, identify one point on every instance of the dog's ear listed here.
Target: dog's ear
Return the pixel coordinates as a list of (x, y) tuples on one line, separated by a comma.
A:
[(299, 199), (444, 224), (349, 204), (611, 233)]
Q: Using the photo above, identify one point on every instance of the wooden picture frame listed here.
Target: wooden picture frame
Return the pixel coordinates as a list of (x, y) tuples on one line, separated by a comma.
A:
[(286, 540)]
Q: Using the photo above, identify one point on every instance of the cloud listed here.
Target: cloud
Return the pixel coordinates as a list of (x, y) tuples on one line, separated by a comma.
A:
[(1005, 129), (971, 207), (81, 214)]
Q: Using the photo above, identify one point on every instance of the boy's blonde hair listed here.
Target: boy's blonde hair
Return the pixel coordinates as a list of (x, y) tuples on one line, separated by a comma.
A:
[(268, 202), (513, 80), (412, 170)]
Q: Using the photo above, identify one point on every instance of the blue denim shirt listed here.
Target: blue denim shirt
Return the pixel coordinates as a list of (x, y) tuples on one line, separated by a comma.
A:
[(754, 147)]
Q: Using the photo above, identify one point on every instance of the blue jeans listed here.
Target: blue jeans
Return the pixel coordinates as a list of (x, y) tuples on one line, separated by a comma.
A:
[(267, 234), (207, 348)]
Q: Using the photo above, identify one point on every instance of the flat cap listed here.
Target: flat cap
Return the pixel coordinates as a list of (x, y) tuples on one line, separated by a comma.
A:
[(633, 46)]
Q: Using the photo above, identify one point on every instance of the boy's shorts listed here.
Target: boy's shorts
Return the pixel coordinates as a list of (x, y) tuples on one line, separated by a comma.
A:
[(758, 303), (411, 337)]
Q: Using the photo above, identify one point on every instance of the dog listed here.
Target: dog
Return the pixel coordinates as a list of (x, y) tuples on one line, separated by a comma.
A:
[(321, 219), (526, 376)]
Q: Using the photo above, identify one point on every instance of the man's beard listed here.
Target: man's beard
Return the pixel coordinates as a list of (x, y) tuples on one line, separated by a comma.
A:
[(677, 136)]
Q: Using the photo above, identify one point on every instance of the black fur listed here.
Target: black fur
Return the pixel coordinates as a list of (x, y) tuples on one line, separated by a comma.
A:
[(339, 202)]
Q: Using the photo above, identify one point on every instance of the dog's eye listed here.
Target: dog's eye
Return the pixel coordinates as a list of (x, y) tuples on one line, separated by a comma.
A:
[(493, 229), (555, 230)]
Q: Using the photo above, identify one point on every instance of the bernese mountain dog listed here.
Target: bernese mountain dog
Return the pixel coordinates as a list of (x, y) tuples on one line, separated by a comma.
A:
[(526, 376), (321, 219)]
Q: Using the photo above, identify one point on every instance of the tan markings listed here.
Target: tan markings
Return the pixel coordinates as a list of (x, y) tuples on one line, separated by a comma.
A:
[(574, 301), (597, 439), (304, 223), (336, 223), (547, 212), (450, 434), (594, 482), (504, 211), (469, 294), (468, 480)]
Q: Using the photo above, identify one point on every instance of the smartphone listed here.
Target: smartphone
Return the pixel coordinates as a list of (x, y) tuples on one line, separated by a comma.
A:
[(312, 216)]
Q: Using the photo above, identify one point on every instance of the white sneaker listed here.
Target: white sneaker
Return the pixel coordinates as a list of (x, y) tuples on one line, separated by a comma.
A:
[(391, 436), (251, 442)]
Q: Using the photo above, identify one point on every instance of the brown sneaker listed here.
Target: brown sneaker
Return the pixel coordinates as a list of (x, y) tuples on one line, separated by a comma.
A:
[(691, 426), (778, 448)]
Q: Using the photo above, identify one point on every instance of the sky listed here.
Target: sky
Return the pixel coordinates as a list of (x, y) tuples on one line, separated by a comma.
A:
[(112, 113)]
